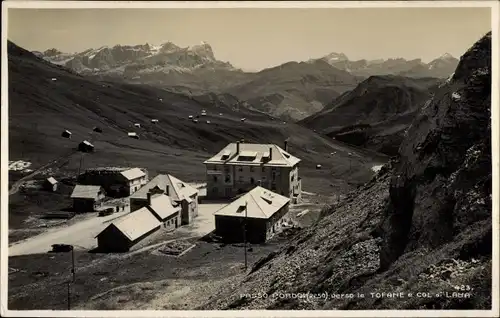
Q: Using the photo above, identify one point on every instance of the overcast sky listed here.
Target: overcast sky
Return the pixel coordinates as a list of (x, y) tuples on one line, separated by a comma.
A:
[(254, 39)]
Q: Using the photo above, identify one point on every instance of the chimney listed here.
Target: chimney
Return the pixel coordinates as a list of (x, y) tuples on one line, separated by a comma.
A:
[(237, 147), (149, 198), (167, 190), (286, 145), (270, 153)]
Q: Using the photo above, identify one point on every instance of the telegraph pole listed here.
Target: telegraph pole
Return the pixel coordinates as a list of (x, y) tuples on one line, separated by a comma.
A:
[(245, 234), (73, 273), (73, 262), (69, 296)]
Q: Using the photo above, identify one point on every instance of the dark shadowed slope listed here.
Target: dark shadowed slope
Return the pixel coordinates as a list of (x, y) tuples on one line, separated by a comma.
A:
[(375, 114), (40, 108), (422, 225)]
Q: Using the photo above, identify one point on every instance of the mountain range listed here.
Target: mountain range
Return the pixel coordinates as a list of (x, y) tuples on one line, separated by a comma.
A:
[(440, 67), (291, 91)]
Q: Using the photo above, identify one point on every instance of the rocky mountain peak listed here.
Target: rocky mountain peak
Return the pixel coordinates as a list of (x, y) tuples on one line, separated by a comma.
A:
[(447, 56), (169, 47), (335, 57), (52, 52), (204, 49)]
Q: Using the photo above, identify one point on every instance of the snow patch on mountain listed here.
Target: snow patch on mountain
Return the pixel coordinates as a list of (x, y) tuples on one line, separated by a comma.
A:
[(139, 59)]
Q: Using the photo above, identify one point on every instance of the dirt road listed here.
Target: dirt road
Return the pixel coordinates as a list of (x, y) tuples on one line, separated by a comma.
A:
[(80, 234)]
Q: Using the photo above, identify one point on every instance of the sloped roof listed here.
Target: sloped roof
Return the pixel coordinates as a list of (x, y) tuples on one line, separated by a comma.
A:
[(52, 180), (133, 173), (85, 191), (136, 224), (259, 202), (181, 190), (279, 156), (163, 206), (87, 143), (178, 190)]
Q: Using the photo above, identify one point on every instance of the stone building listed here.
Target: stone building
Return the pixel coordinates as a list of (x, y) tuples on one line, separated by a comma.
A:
[(118, 182), (240, 167)]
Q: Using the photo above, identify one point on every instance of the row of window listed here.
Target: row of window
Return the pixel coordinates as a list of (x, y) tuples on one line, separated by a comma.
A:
[(228, 191), (227, 178), (170, 222), (240, 168)]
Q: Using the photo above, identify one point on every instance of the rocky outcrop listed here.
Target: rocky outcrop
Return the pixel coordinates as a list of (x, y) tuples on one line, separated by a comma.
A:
[(442, 183)]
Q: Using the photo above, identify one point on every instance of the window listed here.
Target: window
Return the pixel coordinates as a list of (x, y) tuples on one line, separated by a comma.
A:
[(251, 169), (215, 178), (240, 169), (228, 178), (274, 175), (226, 168), (293, 177), (214, 190), (214, 168), (263, 169), (240, 178), (252, 181)]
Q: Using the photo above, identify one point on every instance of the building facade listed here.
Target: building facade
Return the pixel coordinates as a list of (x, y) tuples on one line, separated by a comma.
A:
[(86, 198), (118, 182), (50, 184), (165, 210), (126, 232), (85, 146), (240, 167), (178, 191), (253, 217)]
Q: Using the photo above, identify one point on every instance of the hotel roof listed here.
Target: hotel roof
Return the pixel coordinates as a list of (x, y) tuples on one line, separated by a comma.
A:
[(254, 154)]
